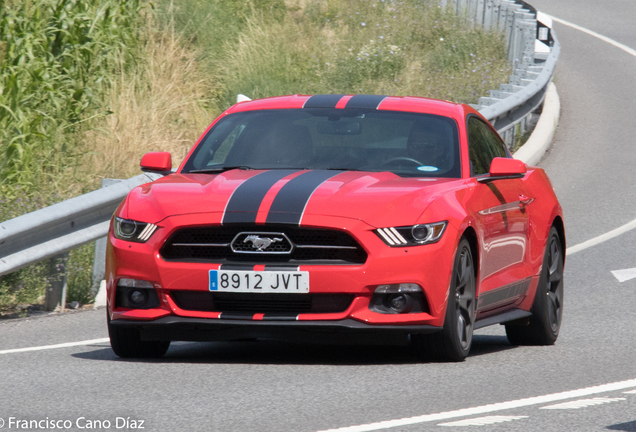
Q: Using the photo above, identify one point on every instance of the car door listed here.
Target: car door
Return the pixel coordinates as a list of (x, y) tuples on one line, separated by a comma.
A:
[(502, 223)]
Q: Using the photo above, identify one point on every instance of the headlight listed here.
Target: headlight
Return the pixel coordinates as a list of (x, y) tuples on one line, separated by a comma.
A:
[(412, 235), (133, 231)]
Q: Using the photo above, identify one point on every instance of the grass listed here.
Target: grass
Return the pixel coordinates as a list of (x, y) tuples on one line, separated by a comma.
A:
[(55, 56), (27, 286), (88, 86), (351, 46), (162, 104)]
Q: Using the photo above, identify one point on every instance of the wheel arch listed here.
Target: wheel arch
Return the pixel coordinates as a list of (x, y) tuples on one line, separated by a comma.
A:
[(558, 224), (471, 235)]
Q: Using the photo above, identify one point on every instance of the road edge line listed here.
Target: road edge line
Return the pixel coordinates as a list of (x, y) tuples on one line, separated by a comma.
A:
[(610, 41), (62, 345), (500, 406)]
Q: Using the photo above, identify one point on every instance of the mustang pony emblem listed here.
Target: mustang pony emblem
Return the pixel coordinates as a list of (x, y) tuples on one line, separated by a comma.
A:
[(260, 243)]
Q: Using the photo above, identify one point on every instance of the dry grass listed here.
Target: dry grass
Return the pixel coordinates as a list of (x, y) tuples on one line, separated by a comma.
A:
[(351, 46), (160, 105)]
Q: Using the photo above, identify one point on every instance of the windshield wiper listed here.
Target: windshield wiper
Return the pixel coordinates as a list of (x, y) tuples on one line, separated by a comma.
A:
[(219, 169)]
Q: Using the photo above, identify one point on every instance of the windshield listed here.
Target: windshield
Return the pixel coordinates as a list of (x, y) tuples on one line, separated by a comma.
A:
[(406, 144)]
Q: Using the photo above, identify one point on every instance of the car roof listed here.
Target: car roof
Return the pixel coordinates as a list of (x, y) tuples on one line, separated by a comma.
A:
[(388, 103)]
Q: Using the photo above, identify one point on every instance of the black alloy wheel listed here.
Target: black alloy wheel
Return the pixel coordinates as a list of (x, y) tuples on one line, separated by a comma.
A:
[(465, 299), (547, 309), (454, 341)]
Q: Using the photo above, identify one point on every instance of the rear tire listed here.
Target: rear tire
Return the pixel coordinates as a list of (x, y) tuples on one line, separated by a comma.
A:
[(127, 343), (547, 309), (454, 341)]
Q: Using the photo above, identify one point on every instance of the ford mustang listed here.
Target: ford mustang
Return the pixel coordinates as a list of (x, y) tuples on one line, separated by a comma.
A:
[(332, 217)]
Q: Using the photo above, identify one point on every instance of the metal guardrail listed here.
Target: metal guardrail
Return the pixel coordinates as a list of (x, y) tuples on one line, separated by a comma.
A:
[(54, 230), (533, 50)]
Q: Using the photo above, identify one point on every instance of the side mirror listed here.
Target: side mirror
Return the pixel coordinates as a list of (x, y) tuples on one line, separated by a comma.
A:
[(157, 162), (504, 168)]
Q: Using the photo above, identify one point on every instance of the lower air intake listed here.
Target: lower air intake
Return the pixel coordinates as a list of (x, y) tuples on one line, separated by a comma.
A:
[(262, 303)]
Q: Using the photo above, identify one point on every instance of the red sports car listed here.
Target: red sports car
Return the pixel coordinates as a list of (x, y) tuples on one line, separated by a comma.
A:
[(336, 216)]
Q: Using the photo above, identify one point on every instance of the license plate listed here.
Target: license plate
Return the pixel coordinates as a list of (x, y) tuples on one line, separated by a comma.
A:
[(259, 281)]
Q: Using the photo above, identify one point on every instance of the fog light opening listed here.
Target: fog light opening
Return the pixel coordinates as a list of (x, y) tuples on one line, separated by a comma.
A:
[(137, 297), (400, 303)]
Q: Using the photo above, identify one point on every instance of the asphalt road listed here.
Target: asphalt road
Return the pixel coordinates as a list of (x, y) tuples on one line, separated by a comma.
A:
[(275, 386)]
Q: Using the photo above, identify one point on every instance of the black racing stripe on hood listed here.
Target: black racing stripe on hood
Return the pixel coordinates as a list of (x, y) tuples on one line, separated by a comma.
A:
[(323, 101), (290, 202), (246, 199), (365, 101)]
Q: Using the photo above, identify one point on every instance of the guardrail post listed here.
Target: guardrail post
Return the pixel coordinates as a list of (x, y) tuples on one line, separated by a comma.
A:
[(55, 298), (503, 16), (99, 261), (472, 12), (462, 7), (488, 14), (494, 20), (480, 13), (454, 6)]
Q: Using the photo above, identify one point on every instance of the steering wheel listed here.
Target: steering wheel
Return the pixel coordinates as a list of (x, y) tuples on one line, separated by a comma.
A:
[(404, 159)]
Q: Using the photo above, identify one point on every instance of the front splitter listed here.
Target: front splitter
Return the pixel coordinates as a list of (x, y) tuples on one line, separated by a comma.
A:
[(199, 329)]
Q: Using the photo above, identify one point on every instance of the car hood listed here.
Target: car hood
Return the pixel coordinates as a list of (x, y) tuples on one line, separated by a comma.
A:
[(287, 196)]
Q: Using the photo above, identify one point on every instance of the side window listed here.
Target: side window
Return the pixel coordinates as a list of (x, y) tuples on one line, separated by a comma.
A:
[(483, 146)]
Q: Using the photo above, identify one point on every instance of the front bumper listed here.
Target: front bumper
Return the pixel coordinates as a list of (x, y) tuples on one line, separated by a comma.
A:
[(429, 266)]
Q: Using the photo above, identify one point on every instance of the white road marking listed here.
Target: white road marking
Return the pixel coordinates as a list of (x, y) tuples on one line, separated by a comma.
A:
[(630, 392), (484, 409), (624, 275), (628, 226), (583, 403), (482, 421), (602, 238), (62, 345), (596, 35)]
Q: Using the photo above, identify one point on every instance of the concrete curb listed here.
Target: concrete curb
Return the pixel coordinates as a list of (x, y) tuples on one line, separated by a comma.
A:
[(539, 142), (100, 298)]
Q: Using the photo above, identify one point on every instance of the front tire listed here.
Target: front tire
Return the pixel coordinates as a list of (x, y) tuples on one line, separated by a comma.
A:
[(127, 343), (454, 341), (547, 309)]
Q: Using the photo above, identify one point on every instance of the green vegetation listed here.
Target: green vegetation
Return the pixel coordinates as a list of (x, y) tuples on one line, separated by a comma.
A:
[(88, 86), (55, 56), (393, 48), (27, 286)]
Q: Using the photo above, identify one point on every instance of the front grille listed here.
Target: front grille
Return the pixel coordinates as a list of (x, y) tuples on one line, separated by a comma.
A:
[(297, 246), (262, 303)]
